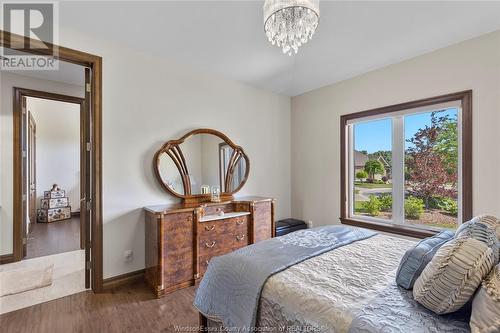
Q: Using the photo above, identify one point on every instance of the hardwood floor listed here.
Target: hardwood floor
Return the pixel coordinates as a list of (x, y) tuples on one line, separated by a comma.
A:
[(56, 237), (126, 309)]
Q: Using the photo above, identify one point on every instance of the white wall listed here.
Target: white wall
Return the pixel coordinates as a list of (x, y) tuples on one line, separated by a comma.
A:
[(474, 64), (7, 82), (57, 147), (148, 100)]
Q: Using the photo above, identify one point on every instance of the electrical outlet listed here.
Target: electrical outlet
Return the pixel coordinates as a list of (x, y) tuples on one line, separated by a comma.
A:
[(129, 255)]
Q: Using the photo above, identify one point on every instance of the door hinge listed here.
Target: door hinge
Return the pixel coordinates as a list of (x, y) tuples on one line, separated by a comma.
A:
[(24, 240), (88, 265), (89, 205), (88, 87), (24, 111), (89, 146), (24, 153), (24, 197)]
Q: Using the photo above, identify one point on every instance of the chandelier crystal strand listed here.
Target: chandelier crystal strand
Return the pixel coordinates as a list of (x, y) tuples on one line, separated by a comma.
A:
[(290, 23)]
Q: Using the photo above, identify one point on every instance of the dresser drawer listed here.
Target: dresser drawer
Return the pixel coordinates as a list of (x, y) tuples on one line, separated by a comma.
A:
[(239, 232), (239, 240), (203, 263), (215, 240), (222, 236), (212, 229), (239, 224)]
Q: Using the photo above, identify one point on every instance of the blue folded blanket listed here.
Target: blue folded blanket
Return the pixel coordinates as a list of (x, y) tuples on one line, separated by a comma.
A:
[(230, 290)]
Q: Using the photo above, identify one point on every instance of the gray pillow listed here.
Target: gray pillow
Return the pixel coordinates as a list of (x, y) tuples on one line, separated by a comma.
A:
[(416, 258), (486, 305), (484, 228), (453, 275)]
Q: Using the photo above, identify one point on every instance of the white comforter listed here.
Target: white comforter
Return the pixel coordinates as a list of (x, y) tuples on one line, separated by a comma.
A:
[(349, 289)]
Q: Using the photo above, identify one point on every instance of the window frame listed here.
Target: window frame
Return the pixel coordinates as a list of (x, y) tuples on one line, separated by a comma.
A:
[(465, 177)]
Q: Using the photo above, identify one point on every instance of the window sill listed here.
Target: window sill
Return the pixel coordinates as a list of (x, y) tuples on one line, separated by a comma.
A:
[(390, 228)]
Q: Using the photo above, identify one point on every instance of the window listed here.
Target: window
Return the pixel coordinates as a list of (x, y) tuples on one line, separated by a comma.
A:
[(407, 168)]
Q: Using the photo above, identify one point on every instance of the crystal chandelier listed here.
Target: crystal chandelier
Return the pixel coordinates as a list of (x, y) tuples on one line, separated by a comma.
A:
[(290, 23)]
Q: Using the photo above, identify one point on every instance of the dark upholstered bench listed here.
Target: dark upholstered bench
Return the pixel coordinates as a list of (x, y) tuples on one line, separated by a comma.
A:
[(287, 226)]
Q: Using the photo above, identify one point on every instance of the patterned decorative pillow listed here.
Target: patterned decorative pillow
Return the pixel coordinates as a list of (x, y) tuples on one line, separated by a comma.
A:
[(415, 259), (453, 275), (485, 316), (484, 228)]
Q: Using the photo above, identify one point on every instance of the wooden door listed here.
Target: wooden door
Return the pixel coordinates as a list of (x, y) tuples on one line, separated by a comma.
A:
[(31, 171), (86, 165)]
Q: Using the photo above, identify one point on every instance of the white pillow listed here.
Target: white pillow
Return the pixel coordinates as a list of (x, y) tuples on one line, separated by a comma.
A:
[(453, 275), (485, 316)]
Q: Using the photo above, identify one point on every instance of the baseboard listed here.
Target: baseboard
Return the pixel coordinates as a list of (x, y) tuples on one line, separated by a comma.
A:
[(6, 258), (74, 214), (120, 280)]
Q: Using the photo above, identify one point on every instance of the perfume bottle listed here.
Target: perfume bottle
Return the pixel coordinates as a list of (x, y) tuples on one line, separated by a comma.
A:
[(215, 196)]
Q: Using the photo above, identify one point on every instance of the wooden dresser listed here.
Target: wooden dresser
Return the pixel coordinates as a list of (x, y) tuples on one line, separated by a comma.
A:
[(181, 239)]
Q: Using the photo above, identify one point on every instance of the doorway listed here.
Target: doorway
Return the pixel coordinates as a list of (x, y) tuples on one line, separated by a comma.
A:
[(54, 182), (56, 150), (92, 204)]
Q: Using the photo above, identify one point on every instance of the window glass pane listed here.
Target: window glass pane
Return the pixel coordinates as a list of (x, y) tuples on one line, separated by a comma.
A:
[(431, 169), (371, 169)]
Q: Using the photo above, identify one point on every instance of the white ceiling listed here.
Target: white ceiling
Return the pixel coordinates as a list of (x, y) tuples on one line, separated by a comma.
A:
[(226, 37)]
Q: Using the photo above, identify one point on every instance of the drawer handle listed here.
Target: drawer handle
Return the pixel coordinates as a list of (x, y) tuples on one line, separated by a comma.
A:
[(240, 237), (207, 228), (210, 245), (240, 222)]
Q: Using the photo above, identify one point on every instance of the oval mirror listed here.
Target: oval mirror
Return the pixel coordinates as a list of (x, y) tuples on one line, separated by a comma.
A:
[(200, 161)]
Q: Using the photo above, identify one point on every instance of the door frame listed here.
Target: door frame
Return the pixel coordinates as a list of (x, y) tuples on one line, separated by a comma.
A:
[(93, 62)]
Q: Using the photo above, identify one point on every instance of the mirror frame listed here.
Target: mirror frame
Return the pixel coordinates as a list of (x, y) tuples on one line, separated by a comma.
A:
[(171, 148)]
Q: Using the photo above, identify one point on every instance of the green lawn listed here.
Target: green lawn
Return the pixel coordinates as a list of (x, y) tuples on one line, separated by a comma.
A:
[(370, 185)]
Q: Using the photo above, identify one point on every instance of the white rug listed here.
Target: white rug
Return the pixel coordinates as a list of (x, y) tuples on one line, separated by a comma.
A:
[(21, 280), (68, 277)]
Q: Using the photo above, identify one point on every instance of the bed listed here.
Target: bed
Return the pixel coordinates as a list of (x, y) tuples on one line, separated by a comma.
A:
[(347, 289)]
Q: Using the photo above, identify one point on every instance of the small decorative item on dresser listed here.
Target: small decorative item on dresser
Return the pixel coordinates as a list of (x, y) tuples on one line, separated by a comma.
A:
[(54, 206), (205, 189), (219, 212), (215, 197), (202, 210), (287, 226)]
